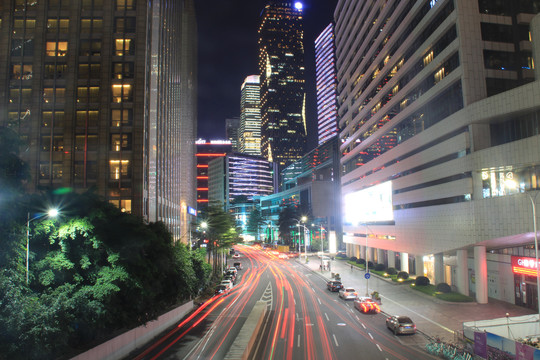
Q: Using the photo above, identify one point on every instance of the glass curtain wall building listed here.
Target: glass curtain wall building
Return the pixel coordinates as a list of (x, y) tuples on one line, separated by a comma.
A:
[(250, 116), (282, 77), (436, 113), (326, 77), (104, 93)]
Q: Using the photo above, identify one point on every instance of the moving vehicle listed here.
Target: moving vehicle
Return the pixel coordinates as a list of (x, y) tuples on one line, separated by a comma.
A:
[(236, 256), (401, 324), (348, 293), (366, 305), (334, 285)]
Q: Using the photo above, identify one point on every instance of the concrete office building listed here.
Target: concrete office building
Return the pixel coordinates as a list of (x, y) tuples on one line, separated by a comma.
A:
[(439, 106), (104, 92)]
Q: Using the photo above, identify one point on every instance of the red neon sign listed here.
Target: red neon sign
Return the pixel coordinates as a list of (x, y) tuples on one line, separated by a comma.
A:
[(524, 265)]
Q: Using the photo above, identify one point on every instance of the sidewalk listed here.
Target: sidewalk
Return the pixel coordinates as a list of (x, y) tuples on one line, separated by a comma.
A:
[(433, 317)]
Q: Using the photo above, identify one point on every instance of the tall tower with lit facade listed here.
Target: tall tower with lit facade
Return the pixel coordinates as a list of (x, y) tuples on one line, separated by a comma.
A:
[(325, 71), (104, 93), (282, 77), (249, 135)]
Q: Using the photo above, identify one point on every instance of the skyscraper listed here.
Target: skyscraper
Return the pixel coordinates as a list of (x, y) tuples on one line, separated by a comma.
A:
[(325, 71), (281, 68), (232, 126), (249, 136), (104, 93)]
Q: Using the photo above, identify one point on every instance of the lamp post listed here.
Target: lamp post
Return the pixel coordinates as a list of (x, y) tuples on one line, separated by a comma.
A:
[(304, 238), (367, 262), (322, 243), (51, 213)]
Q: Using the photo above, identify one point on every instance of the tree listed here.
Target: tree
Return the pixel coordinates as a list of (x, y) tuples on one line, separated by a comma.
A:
[(255, 221), (287, 219)]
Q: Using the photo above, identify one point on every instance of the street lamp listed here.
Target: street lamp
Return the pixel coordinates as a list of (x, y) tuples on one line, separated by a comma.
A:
[(322, 243), (303, 219), (367, 262), (50, 213), (512, 183)]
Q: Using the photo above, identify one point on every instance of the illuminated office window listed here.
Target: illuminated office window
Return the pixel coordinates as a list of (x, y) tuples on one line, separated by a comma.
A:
[(56, 48)]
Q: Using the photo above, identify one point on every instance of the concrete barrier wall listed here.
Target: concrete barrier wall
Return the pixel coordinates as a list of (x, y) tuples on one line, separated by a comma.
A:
[(122, 345)]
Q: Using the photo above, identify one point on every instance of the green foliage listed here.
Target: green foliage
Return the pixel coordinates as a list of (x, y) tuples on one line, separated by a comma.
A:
[(443, 287), (286, 221), (391, 271), (403, 275), (421, 281), (255, 221), (93, 270)]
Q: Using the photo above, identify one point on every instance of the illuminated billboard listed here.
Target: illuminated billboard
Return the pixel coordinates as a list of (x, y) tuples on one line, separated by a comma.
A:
[(369, 205)]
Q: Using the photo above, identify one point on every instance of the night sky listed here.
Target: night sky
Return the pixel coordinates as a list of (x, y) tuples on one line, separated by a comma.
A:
[(227, 32)]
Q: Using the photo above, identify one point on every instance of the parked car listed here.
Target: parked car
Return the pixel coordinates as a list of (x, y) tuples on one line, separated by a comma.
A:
[(233, 269), (238, 265), (401, 324), (334, 285), (227, 283), (348, 293), (221, 289), (230, 273), (366, 305), (230, 278)]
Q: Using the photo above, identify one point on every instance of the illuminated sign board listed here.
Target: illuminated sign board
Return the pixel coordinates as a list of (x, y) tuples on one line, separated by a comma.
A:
[(191, 211), (524, 265), (369, 205)]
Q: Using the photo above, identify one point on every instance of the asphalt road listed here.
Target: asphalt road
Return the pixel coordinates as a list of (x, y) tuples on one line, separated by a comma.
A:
[(304, 320)]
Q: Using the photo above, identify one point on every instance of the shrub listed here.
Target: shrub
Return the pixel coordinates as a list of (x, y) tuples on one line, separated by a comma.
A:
[(403, 275), (391, 271), (380, 267), (353, 258), (444, 288), (371, 265), (361, 261), (421, 281)]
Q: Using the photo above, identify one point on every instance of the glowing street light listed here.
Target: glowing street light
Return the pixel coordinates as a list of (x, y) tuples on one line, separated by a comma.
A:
[(50, 213)]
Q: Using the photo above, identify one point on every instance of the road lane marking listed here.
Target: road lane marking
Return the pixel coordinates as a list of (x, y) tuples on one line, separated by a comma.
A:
[(371, 336), (298, 343), (378, 347), (363, 325), (357, 318), (319, 300), (327, 319), (335, 339)]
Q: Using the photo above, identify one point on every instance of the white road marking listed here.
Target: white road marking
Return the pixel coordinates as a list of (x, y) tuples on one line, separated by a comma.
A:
[(371, 336), (327, 319), (298, 343), (319, 300), (363, 325), (378, 347), (335, 339)]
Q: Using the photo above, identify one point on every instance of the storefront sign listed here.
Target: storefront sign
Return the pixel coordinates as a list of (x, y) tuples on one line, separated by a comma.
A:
[(524, 265)]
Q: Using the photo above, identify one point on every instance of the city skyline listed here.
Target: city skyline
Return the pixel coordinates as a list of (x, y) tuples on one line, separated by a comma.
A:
[(230, 34)]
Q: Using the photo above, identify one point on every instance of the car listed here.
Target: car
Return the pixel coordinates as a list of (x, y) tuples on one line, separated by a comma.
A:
[(236, 256), (227, 283), (231, 274), (366, 305), (230, 278), (221, 289), (334, 285), (400, 324), (238, 265), (348, 293), (232, 269), (283, 256)]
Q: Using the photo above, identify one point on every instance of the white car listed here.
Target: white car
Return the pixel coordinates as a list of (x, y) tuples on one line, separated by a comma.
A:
[(227, 283), (348, 293)]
